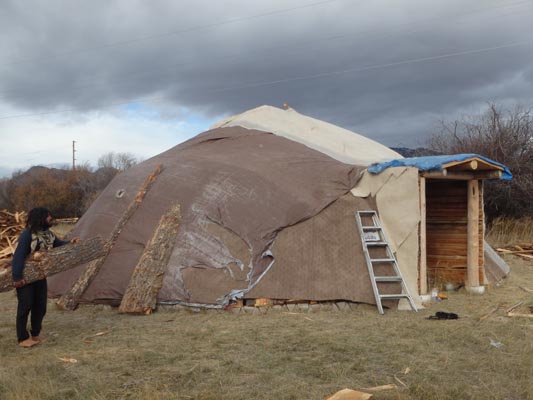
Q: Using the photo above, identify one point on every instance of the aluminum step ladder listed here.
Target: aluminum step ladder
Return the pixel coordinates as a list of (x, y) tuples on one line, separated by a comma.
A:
[(373, 236)]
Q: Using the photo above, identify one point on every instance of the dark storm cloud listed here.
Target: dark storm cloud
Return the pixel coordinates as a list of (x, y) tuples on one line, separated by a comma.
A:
[(386, 69)]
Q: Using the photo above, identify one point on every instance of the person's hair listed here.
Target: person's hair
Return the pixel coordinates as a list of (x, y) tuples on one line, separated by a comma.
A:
[(37, 219)]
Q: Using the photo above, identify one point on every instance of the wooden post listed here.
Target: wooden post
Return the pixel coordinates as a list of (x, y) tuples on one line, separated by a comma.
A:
[(482, 278), (56, 260), (147, 278), (473, 234), (70, 299), (423, 275)]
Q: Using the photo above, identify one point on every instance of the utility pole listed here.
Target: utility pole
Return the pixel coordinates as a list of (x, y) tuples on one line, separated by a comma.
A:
[(73, 155)]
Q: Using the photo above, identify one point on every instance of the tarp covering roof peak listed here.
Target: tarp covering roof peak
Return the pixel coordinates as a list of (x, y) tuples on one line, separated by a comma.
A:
[(338, 143), (437, 163)]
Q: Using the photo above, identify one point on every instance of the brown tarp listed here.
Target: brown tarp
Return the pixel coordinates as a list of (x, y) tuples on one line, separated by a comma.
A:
[(322, 259), (237, 189)]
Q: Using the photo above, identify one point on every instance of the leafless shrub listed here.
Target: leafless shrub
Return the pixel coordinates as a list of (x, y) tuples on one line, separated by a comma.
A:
[(505, 136)]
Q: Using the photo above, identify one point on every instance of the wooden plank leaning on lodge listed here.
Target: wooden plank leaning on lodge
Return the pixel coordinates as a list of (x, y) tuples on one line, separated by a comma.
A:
[(147, 278), (70, 299)]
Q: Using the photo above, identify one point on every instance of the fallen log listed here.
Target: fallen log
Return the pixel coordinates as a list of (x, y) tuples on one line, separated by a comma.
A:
[(56, 260), (525, 256), (70, 299), (147, 278), (519, 315), (505, 251), (514, 307), (390, 386), (525, 289), (484, 317)]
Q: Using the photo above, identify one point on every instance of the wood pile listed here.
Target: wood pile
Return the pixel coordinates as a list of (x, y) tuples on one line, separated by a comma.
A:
[(11, 226), (523, 250)]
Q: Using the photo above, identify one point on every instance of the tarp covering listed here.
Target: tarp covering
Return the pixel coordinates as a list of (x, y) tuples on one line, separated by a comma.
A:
[(266, 212), (396, 193), (434, 163), (237, 189), (321, 258), (341, 144)]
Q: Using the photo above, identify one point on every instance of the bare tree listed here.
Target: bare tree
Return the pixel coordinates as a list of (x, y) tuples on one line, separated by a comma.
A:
[(119, 161), (505, 136)]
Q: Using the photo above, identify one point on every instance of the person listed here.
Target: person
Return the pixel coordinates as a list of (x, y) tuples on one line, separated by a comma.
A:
[(32, 296)]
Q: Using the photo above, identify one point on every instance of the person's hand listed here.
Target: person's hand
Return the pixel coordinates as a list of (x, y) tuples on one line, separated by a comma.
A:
[(75, 240), (17, 284)]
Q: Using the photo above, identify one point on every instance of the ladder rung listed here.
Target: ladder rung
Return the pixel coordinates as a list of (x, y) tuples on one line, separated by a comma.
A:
[(388, 278), (373, 236), (382, 260), (394, 296)]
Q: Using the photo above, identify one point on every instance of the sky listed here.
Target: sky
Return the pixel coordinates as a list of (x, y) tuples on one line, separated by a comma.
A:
[(133, 76)]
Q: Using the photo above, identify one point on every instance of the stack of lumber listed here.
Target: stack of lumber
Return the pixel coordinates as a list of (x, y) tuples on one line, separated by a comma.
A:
[(11, 225), (524, 250)]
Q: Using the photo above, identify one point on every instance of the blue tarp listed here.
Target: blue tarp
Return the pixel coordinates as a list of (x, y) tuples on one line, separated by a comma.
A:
[(434, 163)]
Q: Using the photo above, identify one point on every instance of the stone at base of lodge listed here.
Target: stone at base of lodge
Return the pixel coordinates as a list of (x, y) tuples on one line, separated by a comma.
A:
[(327, 306)]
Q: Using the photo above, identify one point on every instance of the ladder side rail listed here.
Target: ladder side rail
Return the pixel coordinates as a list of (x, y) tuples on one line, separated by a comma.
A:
[(376, 221), (369, 264), (377, 224), (398, 272), (391, 255)]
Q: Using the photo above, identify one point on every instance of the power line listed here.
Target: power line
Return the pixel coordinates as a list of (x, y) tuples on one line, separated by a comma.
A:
[(174, 33), (376, 66), (293, 79), (169, 69)]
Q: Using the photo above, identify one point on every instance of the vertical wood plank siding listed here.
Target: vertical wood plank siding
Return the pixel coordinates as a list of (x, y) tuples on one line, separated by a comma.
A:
[(446, 226)]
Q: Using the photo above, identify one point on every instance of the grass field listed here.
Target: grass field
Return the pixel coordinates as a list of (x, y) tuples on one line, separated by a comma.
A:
[(278, 355), (505, 231)]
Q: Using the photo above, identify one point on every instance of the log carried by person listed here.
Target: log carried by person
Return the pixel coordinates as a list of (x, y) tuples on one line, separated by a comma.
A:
[(47, 263)]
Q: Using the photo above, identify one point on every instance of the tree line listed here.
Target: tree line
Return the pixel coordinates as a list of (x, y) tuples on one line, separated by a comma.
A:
[(502, 135), (66, 192)]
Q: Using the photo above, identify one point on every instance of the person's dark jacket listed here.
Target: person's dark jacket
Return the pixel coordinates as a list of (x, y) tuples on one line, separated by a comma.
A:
[(22, 252)]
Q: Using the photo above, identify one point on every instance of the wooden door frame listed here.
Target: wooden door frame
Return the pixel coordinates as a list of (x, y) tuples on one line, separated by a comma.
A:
[(474, 213)]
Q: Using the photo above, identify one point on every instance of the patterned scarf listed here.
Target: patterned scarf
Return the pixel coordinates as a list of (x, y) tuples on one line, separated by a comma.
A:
[(44, 240)]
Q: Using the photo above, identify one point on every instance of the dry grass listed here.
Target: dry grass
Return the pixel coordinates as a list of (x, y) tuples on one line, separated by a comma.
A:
[(280, 355), (504, 231)]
